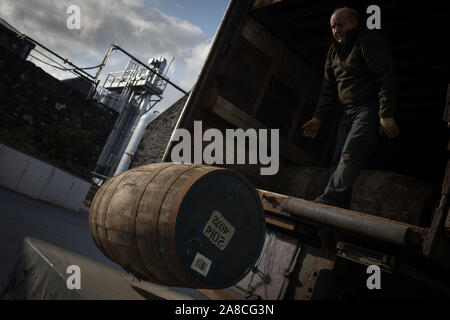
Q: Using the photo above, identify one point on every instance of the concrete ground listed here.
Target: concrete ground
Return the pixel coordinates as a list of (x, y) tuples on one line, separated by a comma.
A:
[(21, 216)]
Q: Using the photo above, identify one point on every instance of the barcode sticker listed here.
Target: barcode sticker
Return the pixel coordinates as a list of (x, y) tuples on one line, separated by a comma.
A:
[(218, 230), (201, 264)]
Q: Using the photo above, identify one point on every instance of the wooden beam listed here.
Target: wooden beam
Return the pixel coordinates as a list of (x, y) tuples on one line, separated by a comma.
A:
[(295, 123), (263, 88), (220, 294), (240, 119), (281, 223), (447, 106), (258, 4), (272, 202), (447, 224), (287, 65)]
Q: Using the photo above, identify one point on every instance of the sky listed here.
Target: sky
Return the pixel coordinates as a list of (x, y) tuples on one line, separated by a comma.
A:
[(145, 28)]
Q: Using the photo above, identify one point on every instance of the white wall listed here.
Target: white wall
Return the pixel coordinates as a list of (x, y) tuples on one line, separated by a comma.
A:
[(40, 180)]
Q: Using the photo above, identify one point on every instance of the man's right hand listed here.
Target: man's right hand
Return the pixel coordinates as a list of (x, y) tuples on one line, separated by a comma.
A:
[(311, 128), (389, 127)]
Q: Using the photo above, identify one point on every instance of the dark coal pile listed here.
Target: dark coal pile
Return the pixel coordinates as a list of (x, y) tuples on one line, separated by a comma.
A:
[(47, 119)]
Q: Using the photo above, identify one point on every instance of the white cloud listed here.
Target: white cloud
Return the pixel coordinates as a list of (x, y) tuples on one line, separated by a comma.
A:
[(143, 31), (195, 60)]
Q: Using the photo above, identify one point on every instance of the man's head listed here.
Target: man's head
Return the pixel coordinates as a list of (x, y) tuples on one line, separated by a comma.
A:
[(342, 20)]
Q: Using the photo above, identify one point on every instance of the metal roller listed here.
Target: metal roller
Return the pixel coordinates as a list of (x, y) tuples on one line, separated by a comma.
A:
[(348, 220)]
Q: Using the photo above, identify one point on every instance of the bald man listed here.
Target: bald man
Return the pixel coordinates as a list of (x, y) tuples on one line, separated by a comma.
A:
[(359, 75)]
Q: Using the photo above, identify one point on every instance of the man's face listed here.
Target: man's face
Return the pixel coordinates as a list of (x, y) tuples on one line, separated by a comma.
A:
[(341, 22)]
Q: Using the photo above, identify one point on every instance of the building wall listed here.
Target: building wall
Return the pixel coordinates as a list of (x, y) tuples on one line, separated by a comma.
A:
[(157, 136), (43, 117), (40, 180)]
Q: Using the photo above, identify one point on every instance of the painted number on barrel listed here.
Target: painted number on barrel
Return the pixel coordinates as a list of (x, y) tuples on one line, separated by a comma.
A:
[(218, 230)]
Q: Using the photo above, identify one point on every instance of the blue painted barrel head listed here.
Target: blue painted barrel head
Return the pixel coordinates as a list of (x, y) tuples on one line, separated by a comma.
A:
[(220, 229)]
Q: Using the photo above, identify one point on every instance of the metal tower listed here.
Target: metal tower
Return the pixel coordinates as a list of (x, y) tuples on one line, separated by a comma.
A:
[(132, 92)]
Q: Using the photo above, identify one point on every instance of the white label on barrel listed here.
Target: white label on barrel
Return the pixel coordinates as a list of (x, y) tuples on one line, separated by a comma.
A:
[(218, 230), (201, 264)]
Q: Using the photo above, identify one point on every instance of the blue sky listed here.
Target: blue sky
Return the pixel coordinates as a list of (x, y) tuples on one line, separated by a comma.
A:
[(206, 14), (146, 28)]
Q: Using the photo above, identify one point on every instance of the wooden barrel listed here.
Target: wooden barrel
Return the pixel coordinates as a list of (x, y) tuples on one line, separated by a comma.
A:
[(379, 193), (180, 224), (303, 182), (394, 196)]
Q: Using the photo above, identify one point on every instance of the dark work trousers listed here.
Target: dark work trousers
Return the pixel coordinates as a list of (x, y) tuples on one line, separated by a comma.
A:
[(356, 141)]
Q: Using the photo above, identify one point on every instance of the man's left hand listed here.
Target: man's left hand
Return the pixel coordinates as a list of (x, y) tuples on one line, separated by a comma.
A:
[(389, 127)]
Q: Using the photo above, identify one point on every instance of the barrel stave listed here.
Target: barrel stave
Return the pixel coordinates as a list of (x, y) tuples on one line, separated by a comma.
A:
[(167, 222), (147, 223)]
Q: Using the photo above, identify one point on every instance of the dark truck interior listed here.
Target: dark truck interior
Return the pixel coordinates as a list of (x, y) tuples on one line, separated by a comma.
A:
[(264, 71), (420, 51), (284, 100)]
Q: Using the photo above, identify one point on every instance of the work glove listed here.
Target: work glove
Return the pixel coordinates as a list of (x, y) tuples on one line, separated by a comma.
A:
[(311, 128), (389, 127)]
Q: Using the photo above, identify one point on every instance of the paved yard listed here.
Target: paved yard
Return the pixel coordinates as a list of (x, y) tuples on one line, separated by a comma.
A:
[(21, 216)]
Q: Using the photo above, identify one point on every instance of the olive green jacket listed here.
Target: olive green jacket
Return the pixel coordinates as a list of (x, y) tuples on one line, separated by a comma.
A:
[(359, 72)]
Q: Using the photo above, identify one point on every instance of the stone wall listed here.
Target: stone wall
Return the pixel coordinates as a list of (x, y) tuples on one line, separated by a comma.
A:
[(41, 116), (157, 136)]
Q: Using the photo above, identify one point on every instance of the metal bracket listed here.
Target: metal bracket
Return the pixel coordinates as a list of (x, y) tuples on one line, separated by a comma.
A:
[(365, 256), (312, 284)]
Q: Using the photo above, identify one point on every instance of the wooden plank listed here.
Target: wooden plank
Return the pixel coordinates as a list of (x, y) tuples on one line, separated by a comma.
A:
[(262, 90), (278, 222), (289, 67), (294, 128), (258, 4), (272, 202), (248, 67), (446, 182), (220, 294), (447, 224), (227, 111), (447, 106), (244, 118), (446, 192)]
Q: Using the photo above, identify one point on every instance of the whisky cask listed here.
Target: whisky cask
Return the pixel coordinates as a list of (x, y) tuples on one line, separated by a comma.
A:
[(183, 225)]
